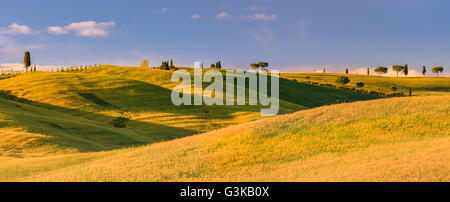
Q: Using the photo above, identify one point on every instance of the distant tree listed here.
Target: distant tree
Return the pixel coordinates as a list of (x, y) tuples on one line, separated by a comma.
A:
[(27, 60), (34, 68), (424, 70), (324, 70), (381, 70), (410, 91), (342, 80), (368, 71), (263, 65), (218, 65), (360, 84), (398, 68), (171, 64), (213, 65), (437, 70), (254, 66), (144, 63), (393, 88), (406, 70), (346, 71), (165, 65)]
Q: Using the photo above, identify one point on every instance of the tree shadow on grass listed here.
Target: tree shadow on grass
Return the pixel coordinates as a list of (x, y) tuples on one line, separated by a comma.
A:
[(315, 96), (90, 131), (70, 128), (139, 96)]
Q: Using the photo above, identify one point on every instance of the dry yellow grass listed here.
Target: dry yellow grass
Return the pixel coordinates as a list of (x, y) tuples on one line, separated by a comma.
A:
[(143, 92), (399, 139)]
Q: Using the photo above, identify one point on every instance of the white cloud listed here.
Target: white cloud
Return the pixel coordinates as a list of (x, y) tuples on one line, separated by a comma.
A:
[(223, 15), (55, 30), (15, 28), (262, 16), (84, 29), (10, 49), (162, 11), (195, 16), (255, 8), (264, 36)]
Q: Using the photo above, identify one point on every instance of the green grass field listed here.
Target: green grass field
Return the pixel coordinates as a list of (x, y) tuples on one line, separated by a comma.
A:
[(419, 85), (55, 126)]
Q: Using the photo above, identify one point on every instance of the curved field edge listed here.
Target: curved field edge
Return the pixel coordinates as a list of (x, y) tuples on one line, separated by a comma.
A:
[(359, 141)]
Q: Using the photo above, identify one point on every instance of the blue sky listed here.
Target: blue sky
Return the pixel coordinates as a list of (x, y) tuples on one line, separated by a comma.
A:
[(292, 35)]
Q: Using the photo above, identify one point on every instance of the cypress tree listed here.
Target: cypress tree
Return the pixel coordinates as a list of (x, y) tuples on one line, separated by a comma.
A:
[(406, 70), (27, 60)]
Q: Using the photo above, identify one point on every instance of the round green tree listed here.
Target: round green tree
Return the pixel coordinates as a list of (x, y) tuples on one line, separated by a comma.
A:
[(342, 80), (381, 70), (437, 70), (398, 68)]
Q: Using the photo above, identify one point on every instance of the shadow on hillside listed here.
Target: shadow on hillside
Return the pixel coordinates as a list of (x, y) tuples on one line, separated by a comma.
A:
[(434, 89), (84, 131), (140, 96), (315, 96), (87, 131)]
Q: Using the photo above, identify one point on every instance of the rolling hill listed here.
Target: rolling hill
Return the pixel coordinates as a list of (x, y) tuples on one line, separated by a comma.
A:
[(55, 126), (397, 139), (98, 95)]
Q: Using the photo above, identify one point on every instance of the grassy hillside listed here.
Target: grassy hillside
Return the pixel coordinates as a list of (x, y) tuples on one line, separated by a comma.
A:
[(397, 139), (419, 85), (29, 131), (56, 126), (142, 91), (99, 94)]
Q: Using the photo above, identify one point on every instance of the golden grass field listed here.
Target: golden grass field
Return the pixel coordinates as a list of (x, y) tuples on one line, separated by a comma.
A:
[(54, 134)]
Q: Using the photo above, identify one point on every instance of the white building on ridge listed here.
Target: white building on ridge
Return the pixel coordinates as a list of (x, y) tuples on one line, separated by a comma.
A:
[(198, 64)]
